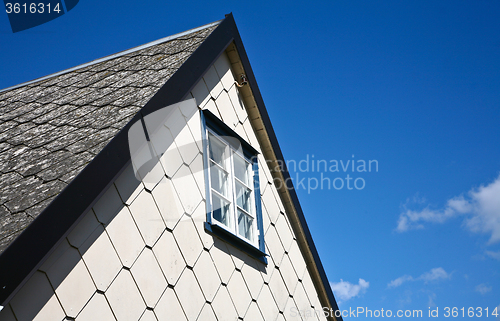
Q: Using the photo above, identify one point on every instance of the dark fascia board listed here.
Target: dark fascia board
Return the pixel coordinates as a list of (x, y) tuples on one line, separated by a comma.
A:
[(28, 251)]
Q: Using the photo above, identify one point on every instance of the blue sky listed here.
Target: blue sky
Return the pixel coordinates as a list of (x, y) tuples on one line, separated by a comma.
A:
[(412, 85)]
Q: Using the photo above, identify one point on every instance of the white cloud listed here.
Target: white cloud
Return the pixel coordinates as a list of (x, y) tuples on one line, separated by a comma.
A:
[(345, 290), (410, 219), (493, 255), (483, 288), (433, 275), (480, 207), (486, 218), (397, 282)]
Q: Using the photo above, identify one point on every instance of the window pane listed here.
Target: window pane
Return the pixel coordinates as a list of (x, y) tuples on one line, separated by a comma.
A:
[(217, 151), (241, 169), (218, 180), (243, 195), (220, 210), (245, 226)]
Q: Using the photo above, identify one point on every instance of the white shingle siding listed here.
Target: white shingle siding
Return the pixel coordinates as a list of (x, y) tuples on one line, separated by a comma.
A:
[(142, 251)]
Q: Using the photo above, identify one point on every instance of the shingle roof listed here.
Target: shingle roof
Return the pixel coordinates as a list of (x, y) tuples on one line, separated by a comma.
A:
[(51, 128)]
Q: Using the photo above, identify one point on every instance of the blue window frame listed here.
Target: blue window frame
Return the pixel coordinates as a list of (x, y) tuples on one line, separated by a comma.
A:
[(234, 211)]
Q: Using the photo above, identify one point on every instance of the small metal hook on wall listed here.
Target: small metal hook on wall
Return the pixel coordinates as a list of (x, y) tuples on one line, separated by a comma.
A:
[(243, 82)]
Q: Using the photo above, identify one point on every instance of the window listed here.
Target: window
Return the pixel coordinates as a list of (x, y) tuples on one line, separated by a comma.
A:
[(233, 196)]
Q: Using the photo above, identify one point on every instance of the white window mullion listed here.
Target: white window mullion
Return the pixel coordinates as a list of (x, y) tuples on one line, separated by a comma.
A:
[(220, 195), (233, 192), (209, 182)]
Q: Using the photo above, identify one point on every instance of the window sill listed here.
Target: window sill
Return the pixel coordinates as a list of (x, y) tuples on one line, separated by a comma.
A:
[(235, 241)]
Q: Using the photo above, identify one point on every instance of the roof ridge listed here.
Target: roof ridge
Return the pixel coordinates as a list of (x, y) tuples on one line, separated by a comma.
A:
[(116, 55)]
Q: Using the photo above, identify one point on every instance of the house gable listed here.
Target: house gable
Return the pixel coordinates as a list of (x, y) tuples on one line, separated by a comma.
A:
[(134, 224)]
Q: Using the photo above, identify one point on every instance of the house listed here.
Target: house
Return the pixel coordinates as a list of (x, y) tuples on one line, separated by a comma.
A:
[(140, 186)]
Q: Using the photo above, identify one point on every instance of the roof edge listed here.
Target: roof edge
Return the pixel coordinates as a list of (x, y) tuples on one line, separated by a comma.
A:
[(112, 56), (287, 194)]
